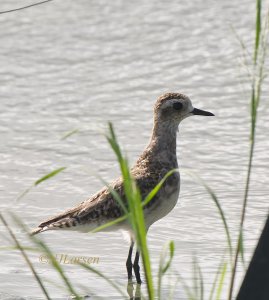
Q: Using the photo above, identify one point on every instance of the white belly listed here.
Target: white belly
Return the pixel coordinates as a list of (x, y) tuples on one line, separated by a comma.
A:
[(163, 208)]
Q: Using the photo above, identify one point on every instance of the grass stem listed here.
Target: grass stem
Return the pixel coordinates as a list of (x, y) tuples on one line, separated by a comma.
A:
[(18, 245)]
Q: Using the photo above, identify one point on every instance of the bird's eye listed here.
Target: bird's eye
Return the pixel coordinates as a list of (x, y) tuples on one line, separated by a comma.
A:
[(177, 105)]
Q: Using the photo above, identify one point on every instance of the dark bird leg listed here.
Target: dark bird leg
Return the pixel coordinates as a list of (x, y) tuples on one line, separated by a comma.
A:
[(129, 264), (137, 268)]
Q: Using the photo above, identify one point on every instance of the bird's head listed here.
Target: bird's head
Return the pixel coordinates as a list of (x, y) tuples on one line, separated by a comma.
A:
[(174, 107)]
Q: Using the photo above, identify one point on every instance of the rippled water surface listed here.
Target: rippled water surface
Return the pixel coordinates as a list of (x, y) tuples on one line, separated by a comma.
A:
[(79, 64)]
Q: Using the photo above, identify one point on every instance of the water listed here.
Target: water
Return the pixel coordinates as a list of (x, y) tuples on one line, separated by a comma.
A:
[(79, 64)]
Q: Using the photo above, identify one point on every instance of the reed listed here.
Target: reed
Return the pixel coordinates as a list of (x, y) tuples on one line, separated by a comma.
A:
[(40, 180), (136, 214), (258, 64), (44, 248), (133, 212), (25, 256), (134, 208)]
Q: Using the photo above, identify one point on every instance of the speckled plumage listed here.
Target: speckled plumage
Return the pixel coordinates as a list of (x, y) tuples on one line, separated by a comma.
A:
[(154, 163), (158, 158)]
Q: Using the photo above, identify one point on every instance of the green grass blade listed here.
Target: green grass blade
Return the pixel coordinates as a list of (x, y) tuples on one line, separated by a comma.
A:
[(56, 266), (241, 248), (30, 265), (216, 278), (187, 289), (108, 224), (141, 238), (258, 77), (172, 290), (100, 274), (195, 278), (221, 212), (37, 182), (246, 55), (51, 257), (24, 193), (17, 248), (171, 255), (163, 268), (136, 218), (222, 277), (258, 29), (201, 282), (69, 133), (218, 205), (115, 195), (49, 175), (158, 186), (119, 200)]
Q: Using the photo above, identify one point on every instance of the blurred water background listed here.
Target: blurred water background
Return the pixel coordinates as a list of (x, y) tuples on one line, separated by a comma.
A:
[(79, 64)]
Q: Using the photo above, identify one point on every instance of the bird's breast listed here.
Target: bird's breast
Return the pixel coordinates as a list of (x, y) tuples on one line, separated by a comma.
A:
[(166, 200)]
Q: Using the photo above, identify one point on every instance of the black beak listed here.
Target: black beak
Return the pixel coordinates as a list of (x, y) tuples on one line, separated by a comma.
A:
[(201, 112)]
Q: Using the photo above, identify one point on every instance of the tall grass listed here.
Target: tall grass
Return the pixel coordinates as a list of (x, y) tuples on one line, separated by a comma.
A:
[(165, 265), (40, 180), (136, 216), (133, 213), (259, 56), (134, 204), (220, 210), (56, 265), (257, 79), (25, 256)]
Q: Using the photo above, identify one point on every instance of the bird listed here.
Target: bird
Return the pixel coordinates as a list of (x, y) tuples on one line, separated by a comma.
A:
[(158, 158)]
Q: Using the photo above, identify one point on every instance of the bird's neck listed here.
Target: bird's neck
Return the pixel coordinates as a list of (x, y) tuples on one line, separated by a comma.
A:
[(164, 137), (161, 148)]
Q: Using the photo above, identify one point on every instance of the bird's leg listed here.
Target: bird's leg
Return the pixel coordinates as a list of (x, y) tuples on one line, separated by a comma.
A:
[(129, 264), (137, 268)]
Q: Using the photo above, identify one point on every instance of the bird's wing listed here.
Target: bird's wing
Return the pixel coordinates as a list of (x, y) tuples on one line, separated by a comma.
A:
[(101, 205)]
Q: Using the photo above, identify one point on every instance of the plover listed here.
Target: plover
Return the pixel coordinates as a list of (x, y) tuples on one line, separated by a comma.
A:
[(155, 162)]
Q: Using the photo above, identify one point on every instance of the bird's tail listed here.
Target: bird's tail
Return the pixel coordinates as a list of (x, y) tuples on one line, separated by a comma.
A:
[(37, 230)]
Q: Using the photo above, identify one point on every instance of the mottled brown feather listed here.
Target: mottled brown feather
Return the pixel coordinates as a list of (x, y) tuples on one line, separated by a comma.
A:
[(153, 164)]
